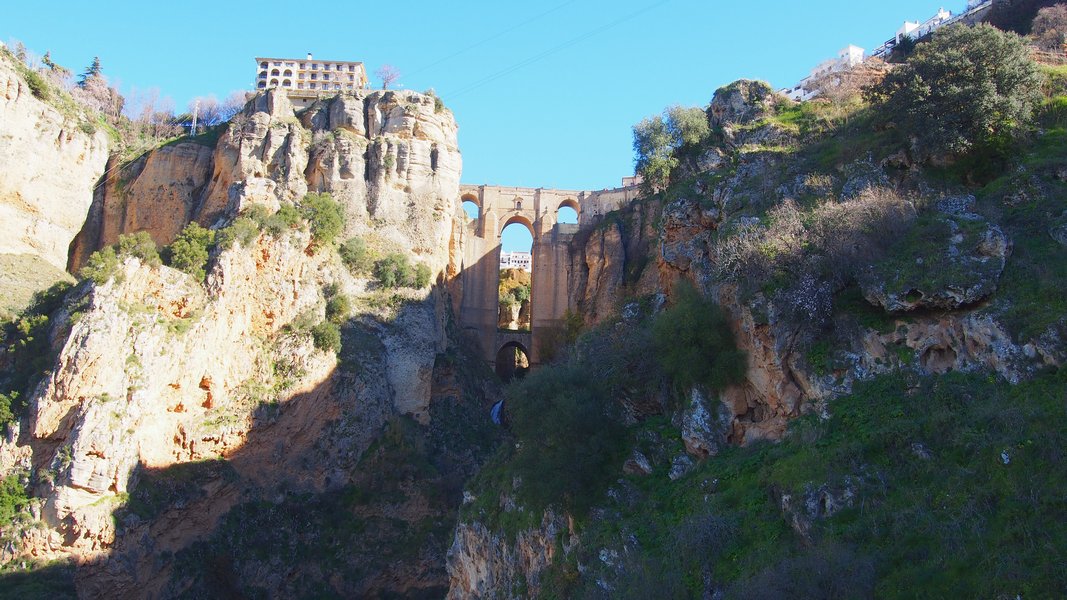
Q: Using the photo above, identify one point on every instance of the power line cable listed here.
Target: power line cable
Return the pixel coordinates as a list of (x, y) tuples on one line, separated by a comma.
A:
[(537, 57), (490, 39)]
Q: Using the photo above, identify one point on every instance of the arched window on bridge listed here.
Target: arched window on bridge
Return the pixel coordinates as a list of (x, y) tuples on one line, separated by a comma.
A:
[(512, 362), (515, 283), (470, 206), (568, 212)]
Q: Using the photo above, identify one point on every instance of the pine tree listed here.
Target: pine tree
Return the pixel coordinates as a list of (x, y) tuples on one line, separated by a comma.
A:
[(90, 73), (46, 60)]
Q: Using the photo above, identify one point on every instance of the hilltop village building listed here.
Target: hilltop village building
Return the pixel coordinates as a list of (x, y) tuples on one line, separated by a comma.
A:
[(851, 56), (306, 79), (516, 260)]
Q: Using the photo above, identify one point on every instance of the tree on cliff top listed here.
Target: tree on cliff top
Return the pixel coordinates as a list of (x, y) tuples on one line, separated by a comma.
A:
[(660, 141), (967, 89), (387, 74), (92, 72)]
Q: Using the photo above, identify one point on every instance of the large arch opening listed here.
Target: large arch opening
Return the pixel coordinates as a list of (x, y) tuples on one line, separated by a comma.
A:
[(512, 362), (471, 207), (567, 213), (515, 283)]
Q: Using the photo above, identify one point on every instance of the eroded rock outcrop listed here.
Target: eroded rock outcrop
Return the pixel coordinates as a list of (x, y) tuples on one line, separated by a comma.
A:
[(389, 157), (49, 163), (486, 564)]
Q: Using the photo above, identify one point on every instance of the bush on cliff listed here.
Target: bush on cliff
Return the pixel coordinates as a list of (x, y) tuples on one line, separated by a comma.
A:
[(327, 336), (660, 141), (356, 256), (141, 246), (325, 217), (395, 271), (190, 252), (694, 343), (569, 438), (100, 266), (967, 90)]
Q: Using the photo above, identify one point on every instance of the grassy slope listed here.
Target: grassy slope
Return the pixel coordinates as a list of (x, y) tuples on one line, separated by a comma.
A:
[(958, 523)]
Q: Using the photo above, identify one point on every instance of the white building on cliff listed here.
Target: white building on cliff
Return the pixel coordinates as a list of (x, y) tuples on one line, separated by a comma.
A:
[(305, 79)]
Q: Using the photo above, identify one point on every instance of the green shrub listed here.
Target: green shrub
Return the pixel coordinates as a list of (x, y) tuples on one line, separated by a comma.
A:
[(244, 230), (970, 88), (325, 217), (285, 219), (393, 271), (190, 252), (327, 336), (38, 86), (694, 343), (7, 415), (13, 498), (338, 307), (101, 266), (139, 245), (356, 256), (422, 276), (569, 435)]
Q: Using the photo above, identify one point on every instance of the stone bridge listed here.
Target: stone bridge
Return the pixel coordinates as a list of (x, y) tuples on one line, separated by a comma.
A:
[(550, 297)]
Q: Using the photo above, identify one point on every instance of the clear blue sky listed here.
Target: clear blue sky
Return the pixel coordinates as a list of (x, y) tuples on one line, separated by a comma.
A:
[(545, 93)]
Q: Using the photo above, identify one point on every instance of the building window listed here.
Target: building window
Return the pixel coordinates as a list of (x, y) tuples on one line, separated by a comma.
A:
[(337, 86), (299, 86), (325, 76), (289, 64), (287, 83), (314, 76), (299, 75), (340, 67), (288, 73), (351, 68), (275, 73), (262, 74), (303, 65), (277, 64), (262, 84), (312, 86), (263, 65), (314, 66), (325, 67)]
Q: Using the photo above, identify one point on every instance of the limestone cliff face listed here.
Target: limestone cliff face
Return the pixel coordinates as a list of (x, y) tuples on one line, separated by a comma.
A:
[(485, 564), (156, 370), (390, 157), (48, 167), (616, 256), (160, 370)]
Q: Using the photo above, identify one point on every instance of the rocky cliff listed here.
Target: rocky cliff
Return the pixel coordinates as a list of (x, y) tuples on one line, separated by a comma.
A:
[(50, 161), (175, 405), (390, 158), (829, 279)]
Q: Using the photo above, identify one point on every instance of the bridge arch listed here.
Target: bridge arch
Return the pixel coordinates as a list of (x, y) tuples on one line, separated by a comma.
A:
[(512, 361), (471, 205), (568, 212), (521, 220)]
